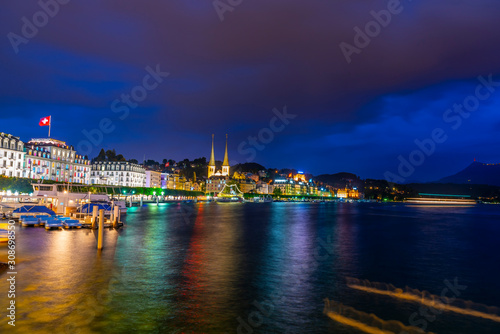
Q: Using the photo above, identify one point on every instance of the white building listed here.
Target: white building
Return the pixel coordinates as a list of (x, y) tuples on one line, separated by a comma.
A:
[(11, 155), (264, 188), (153, 179), (118, 173), (51, 159)]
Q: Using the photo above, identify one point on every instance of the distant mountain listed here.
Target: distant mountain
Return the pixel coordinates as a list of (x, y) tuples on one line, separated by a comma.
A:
[(476, 173)]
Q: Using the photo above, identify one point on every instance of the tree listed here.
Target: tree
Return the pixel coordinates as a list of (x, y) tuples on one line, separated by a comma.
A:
[(200, 162), (101, 156), (277, 191), (111, 155), (120, 157), (133, 161)]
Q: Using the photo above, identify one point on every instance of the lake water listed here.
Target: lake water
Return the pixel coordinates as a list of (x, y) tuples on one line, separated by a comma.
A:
[(254, 268)]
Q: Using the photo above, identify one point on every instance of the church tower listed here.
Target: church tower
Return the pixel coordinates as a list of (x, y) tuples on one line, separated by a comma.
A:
[(211, 164), (225, 164)]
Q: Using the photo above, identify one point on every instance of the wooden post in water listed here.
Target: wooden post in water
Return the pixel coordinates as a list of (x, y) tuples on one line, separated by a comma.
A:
[(100, 233), (94, 216), (130, 201), (157, 200), (111, 214), (141, 201), (116, 216)]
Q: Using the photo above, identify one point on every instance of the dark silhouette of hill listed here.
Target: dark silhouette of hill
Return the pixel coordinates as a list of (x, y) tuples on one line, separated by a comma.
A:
[(248, 167), (340, 179), (476, 173)]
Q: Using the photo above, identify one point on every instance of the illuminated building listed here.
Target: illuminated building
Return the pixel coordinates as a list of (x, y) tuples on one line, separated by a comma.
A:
[(245, 184), (51, 159), (174, 181), (118, 173), (153, 179), (11, 155), (215, 184), (217, 179), (295, 185), (225, 164), (348, 193), (264, 188)]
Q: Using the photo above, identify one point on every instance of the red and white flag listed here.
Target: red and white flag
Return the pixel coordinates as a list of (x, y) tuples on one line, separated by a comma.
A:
[(45, 121)]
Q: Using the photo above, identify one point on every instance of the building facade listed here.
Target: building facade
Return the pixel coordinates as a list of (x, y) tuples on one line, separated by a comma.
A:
[(153, 179), (51, 159), (264, 188), (217, 179), (118, 173), (11, 155), (215, 184)]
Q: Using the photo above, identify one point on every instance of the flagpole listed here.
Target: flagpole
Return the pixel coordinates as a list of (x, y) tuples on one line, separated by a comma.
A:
[(50, 124)]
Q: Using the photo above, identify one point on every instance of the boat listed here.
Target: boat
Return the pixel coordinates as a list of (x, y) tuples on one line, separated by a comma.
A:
[(53, 224), (32, 211), (262, 199), (223, 199), (101, 205), (439, 199), (71, 223), (60, 196)]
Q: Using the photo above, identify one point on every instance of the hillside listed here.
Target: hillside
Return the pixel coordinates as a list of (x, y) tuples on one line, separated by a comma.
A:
[(340, 180), (476, 173)]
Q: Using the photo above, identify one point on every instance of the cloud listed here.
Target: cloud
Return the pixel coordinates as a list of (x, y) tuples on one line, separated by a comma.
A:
[(227, 76)]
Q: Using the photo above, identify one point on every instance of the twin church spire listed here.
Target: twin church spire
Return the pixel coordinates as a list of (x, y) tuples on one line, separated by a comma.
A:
[(225, 163)]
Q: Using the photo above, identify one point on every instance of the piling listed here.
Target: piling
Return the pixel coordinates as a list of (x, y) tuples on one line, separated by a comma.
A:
[(100, 233), (116, 216), (94, 216), (157, 200), (141, 201), (111, 214)]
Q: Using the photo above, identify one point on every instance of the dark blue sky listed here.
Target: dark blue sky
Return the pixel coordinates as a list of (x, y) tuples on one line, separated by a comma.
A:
[(227, 77)]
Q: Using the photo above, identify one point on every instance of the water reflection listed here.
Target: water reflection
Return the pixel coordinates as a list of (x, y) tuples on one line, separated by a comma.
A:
[(197, 268)]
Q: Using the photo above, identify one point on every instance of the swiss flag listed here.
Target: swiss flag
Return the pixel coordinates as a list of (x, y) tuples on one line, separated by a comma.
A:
[(45, 121)]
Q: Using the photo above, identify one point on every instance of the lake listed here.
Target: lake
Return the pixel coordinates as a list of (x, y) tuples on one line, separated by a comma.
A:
[(256, 268)]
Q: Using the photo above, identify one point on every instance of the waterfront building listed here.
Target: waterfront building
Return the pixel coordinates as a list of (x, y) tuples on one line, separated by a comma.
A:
[(153, 179), (52, 159), (348, 193), (215, 184), (196, 186), (264, 188), (11, 155), (164, 180), (282, 184), (118, 173), (217, 179), (289, 186), (225, 164), (245, 184)]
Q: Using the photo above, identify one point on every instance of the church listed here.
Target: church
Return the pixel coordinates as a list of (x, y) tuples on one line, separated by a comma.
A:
[(217, 178)]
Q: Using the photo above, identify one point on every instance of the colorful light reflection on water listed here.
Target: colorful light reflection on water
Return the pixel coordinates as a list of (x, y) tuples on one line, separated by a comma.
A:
[(198, 268)]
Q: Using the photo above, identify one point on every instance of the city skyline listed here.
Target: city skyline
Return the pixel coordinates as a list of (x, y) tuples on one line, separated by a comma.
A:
[(357, 107)]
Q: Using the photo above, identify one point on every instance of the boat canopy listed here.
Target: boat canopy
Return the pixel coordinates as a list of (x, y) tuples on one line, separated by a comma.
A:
[(34, 209), (88, 208)]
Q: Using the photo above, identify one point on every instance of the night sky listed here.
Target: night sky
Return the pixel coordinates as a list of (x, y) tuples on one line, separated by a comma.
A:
[(227, 76)]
